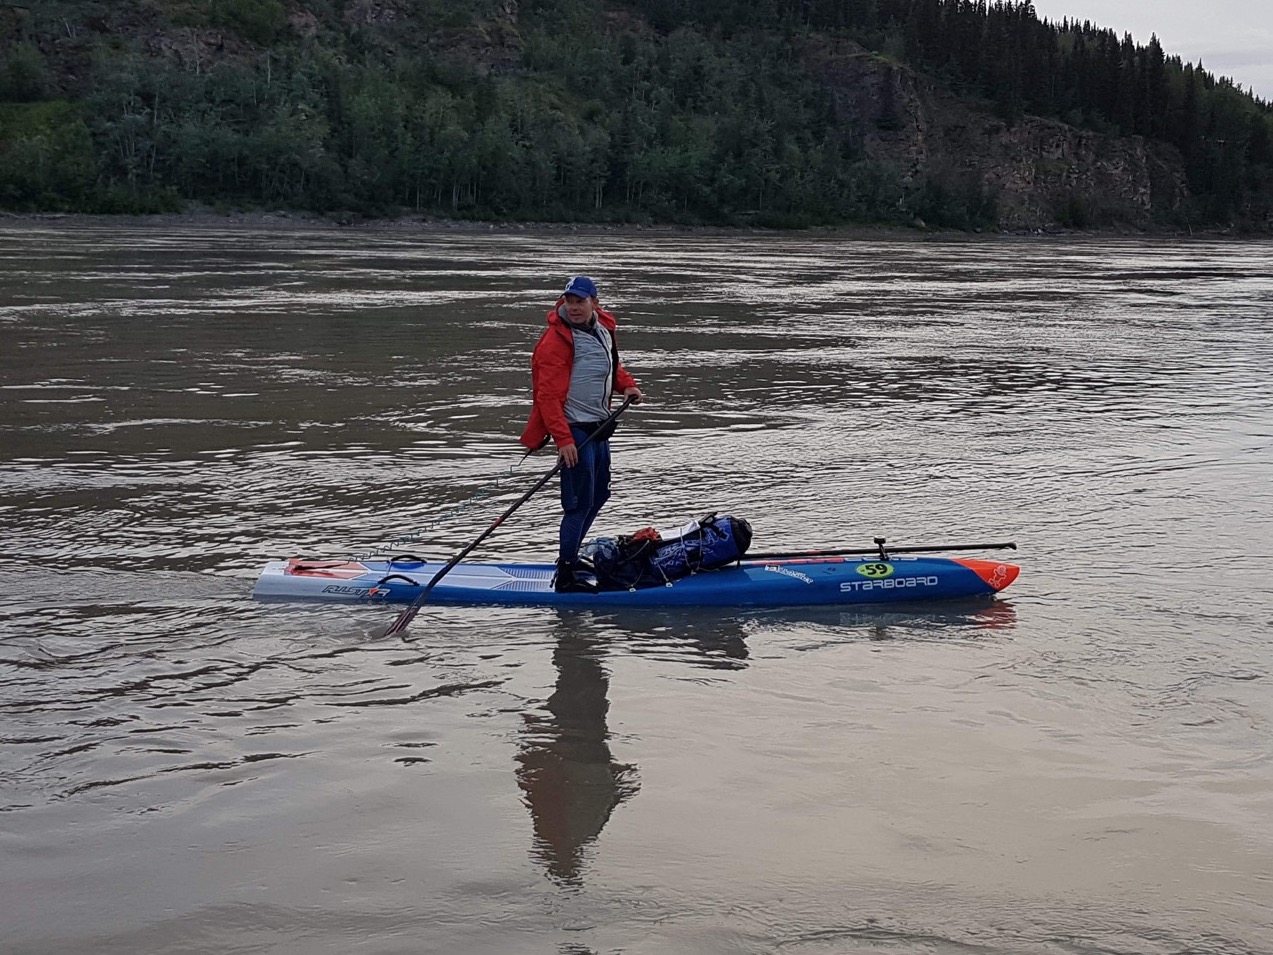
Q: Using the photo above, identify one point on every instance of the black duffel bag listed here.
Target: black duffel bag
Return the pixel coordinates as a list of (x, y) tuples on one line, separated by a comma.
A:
[(645, 559)]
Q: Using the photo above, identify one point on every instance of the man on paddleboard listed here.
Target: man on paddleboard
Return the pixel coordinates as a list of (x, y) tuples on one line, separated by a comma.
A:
[(575, 370)]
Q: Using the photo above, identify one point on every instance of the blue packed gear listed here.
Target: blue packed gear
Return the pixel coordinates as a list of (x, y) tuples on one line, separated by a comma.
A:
[(640, 560)]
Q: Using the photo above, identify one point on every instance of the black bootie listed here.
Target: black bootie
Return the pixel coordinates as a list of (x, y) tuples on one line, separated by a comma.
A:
[(567, 580)]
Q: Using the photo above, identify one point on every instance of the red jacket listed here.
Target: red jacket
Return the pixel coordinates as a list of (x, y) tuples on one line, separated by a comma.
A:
[(550, 367)]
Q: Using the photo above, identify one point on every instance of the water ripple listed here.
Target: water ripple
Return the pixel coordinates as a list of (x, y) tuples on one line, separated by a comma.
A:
[(180, 405)]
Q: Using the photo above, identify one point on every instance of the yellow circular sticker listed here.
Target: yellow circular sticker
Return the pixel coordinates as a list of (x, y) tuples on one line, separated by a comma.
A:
[(875, 570)]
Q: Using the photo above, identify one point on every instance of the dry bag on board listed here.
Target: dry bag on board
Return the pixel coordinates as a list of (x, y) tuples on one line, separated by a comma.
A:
[(647, 558)]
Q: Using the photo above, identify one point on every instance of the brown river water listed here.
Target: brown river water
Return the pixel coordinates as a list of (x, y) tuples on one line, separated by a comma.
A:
[(1082, 765)]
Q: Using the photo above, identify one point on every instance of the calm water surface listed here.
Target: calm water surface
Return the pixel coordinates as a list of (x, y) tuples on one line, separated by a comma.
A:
[(1082, 766)]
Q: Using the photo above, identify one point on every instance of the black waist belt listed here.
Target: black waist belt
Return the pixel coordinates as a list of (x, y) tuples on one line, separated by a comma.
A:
[(592, 428)]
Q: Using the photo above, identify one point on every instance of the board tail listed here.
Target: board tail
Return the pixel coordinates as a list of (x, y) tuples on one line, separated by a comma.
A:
[(995, 573)]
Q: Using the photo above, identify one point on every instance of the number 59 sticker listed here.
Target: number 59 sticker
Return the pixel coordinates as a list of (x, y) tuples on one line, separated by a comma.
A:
[(875, 570)]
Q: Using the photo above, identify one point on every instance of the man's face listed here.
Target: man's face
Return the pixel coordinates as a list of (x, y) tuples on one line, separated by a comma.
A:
[(578, 309)]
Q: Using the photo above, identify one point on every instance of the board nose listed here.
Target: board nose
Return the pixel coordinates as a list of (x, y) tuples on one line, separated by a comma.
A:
[(994, 572)]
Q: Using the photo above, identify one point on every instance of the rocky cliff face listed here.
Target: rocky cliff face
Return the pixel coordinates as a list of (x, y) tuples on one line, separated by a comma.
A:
[(1043, 173)]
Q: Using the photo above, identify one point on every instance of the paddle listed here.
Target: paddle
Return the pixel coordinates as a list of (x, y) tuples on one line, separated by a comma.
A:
[(878, 550), (404, 619)]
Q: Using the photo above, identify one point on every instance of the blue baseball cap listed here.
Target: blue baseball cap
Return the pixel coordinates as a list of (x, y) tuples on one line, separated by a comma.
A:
[(582, 286)]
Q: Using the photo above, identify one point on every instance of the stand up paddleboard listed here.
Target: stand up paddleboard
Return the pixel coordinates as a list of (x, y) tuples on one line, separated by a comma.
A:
[(881, 575)]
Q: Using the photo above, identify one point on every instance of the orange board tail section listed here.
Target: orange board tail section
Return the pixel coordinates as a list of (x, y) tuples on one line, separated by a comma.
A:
[(995, 573)]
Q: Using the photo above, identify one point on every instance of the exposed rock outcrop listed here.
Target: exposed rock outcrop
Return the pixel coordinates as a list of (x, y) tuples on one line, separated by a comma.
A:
[(1042, 171)]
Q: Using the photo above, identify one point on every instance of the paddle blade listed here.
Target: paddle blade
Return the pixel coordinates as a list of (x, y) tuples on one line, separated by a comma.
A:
[(402, 621)]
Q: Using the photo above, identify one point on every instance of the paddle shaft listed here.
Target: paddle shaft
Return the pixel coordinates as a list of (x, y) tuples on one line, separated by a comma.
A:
[(878, 550), (404, 619)]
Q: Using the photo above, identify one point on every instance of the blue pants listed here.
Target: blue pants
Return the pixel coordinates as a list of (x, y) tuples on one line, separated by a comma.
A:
[(584, 489)]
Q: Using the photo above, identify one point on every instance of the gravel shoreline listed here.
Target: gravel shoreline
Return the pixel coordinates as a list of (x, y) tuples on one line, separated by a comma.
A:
[(435, 225)]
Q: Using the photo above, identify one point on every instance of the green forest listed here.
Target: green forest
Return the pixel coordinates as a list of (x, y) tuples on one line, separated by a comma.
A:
[(668, 111)]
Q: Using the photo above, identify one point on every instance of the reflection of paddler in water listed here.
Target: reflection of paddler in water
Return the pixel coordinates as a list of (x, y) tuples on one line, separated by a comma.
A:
[(565, 768)]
